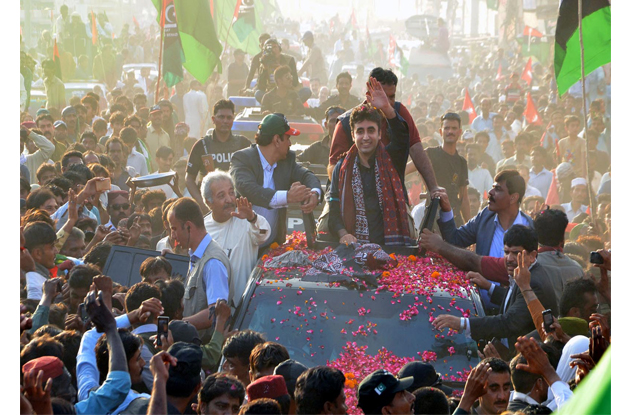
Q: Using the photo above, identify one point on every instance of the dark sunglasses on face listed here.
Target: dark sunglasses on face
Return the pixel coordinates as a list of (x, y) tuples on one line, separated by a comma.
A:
[(124, 206)]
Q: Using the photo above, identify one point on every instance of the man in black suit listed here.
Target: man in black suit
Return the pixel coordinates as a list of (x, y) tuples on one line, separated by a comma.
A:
[(515, 319), (268, 175)]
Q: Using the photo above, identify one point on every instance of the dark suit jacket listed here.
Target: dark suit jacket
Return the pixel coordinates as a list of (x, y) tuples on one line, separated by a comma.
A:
[(479, 230), (516, 319), (247, 172), (517, 405)]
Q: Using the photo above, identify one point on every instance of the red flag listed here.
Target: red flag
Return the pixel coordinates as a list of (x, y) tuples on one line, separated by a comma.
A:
[(527, 72), (94, 29), (468, 106), (553, 198), (530, 31), (391, 50), (236, 10), (499, 74), (56, 58), (531, 113), (137, 26)]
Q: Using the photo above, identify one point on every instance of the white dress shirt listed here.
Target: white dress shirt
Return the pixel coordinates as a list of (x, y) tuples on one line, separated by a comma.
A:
[(541, 181)]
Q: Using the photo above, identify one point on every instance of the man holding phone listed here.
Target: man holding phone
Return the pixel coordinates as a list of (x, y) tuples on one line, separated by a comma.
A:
[(515, 319)]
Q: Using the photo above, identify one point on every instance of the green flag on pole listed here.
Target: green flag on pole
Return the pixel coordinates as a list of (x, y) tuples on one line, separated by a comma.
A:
[(239, 31), (198, 38), (596, 31), (173, 56)]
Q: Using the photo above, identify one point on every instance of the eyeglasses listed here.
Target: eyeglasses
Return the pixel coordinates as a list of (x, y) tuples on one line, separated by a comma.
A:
[(123, 206)]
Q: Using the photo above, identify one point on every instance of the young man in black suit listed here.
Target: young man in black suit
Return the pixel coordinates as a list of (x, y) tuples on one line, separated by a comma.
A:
[(268, 175)]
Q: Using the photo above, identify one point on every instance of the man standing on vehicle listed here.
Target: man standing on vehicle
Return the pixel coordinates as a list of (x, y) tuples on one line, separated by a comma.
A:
[(343, 99), (255, 65), (342, 141), (215, 150), (209, 275), (451, 168), (269, 177), (314, 65), (55, 89)]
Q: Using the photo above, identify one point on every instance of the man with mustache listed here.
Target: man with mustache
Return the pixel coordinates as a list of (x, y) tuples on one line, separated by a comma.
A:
[(118, 207), (489, 384), (237, 228)]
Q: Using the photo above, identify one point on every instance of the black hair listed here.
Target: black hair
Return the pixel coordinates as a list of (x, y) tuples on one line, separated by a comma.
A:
[(39, 347), (83, 170), (223, 104), (514, 182), (75, 178), (345, 75), (128, 135), (98, 254), (59, 405), (315, 387), (152, 265), (219, 384), (261, 406), (37, 234), (24, 184), (521, 380), (163, 152), (150, 195), (131, 343), (241, 344), (61, 182), (532, 409), (473, 191), (139, 293), (38, 197), (186, 209), (136, 217), (550, 226), (285, 403), (81, 276), (70, 339), (58, 312), (430, 400), (266, 355), (384, 76), (365, 113), (520, 235), (48, 329), (70, 154), (172, 292), (573, 294), (44, 168), (497, 365)]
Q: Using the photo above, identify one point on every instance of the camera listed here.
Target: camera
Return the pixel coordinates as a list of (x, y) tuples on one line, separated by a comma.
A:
[(596, 258)]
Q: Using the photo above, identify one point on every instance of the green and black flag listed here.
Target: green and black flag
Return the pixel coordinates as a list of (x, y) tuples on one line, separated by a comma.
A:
[(597, 39), (173, 56)]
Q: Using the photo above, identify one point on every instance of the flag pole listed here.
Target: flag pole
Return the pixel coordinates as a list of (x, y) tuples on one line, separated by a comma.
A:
[(591, 198), (160, 53)]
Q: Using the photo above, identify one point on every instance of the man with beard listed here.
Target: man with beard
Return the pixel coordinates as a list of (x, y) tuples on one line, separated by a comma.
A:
[(237, 228), (70, 118), (343, 99), (157, 136), (210, 277), (47, 126), (118, 152), (170, 118)]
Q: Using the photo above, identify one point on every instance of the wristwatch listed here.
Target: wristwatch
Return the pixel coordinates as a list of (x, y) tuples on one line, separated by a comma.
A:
[(254, 218)]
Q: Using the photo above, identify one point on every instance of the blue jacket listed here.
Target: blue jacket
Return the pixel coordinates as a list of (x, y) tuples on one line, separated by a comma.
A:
[(479, 230)]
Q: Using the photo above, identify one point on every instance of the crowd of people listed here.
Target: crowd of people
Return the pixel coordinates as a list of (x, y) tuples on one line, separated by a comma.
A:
[(518, 213)]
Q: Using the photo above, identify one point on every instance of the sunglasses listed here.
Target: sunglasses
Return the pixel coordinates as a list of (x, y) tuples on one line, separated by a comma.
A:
[(123, 206)]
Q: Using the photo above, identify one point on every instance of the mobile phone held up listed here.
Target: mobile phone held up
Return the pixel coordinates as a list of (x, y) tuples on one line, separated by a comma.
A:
[(548, 321), (162, 325), (596, 258)]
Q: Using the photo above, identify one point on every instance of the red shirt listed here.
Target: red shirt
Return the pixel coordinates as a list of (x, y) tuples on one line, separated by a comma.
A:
[(341, 142), (494, 269)]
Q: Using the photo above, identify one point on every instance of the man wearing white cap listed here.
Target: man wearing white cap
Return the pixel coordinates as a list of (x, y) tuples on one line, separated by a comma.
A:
[(579, 190)]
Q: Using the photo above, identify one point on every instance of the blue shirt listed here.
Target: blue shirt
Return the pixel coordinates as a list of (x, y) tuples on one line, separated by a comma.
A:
[(115, 394), (61, 216), (214, 274)]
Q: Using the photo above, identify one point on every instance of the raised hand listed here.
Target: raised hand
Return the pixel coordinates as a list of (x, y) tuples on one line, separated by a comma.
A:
[(475, 386), (72, 207), (244, 209), (37, 394), (100, 315), (375, 94), (477, 279), (537, 360), (159, 365), (522, 274)]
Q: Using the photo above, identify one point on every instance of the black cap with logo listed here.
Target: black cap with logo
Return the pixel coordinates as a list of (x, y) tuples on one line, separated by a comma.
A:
[(378, 390)]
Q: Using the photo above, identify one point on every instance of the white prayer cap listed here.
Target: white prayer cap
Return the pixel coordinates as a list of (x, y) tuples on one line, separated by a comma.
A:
[(578, 181)]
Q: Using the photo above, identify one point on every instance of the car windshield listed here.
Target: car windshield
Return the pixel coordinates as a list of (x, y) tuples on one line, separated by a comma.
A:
[(315, 325)]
